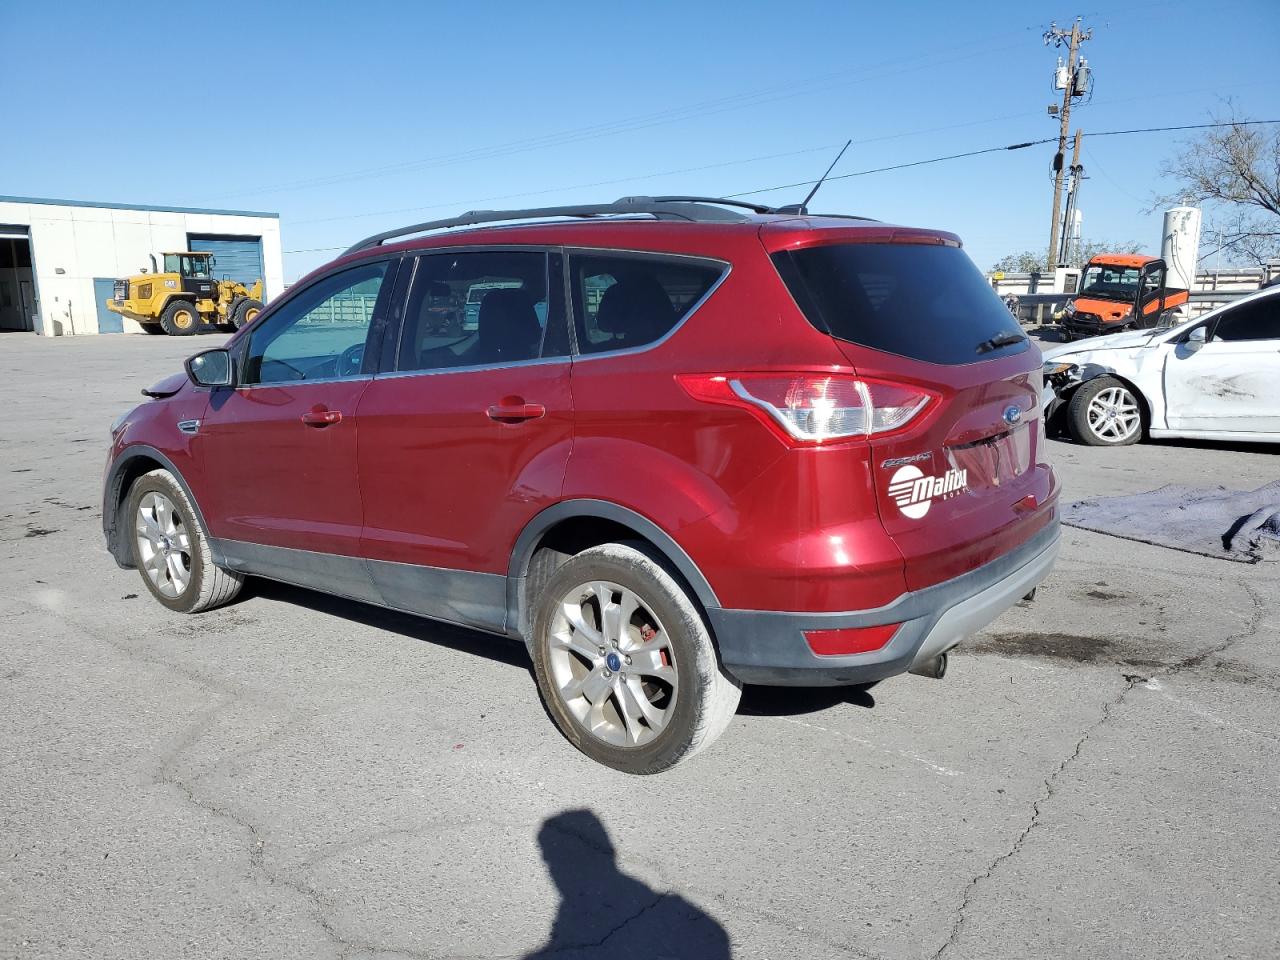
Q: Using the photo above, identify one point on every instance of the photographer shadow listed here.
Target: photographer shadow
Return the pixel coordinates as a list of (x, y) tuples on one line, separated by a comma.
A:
[(603, 911)]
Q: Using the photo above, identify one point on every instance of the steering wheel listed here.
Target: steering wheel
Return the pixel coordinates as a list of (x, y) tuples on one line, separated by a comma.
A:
[(351, 360)]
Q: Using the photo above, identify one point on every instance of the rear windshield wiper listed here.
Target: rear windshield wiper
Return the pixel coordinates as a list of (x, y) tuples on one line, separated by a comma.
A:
[(1000, 340)]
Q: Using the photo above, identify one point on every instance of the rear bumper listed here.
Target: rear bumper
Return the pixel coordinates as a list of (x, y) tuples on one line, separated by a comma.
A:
[(767, 647)]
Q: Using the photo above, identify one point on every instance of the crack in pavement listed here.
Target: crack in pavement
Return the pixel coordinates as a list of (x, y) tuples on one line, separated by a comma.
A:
[(1131, 680), (322, 906)]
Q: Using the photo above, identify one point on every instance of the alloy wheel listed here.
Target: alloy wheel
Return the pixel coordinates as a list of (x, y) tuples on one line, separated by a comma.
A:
[(612, 663), (1114, 415), (164, 545)]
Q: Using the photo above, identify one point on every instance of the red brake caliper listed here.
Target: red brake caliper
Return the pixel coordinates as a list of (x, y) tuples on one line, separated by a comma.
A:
[(647, 633)]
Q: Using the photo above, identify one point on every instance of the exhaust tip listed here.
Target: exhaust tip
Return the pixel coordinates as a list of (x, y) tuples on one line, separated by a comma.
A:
[(935, 667)]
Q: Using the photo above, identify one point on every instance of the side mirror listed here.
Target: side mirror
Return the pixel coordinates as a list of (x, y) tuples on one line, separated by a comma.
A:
[(212, 368), (1196, 339)]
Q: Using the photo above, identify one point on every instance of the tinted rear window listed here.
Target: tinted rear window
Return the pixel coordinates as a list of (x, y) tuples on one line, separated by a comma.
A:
[(920, 301)]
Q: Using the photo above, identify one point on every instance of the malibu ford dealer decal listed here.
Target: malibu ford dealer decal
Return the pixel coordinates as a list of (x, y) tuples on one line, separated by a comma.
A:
[(914, 492)]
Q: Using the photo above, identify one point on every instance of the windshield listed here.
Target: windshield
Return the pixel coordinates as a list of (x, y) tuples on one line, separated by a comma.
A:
[(1109, 282), (187, 265)]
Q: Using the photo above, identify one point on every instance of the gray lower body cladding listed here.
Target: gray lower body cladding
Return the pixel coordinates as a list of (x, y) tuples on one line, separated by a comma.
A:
[(768, 647)]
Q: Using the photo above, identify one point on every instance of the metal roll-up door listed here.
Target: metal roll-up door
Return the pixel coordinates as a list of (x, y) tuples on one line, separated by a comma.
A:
[(238, 258)]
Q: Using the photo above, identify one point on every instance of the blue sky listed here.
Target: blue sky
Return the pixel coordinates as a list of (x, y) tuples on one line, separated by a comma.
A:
[(348, 118)]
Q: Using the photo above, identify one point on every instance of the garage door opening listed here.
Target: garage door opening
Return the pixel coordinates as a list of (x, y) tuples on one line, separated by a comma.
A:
[(236, 258), (17, 281)]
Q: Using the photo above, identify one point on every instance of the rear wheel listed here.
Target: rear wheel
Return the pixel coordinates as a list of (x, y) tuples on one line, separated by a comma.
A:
[(152, 328), (244, 312), (625, 663), (170, 548), (1105, 413), (180, 319)]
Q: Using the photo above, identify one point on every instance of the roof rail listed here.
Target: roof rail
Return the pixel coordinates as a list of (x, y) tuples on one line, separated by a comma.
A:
[(695, 209), (723, 201)]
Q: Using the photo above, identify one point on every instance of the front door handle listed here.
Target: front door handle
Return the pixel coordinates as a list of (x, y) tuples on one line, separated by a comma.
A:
[(514, 410), (321, 417)]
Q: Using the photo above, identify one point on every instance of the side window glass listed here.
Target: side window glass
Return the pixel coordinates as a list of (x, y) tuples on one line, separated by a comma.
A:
[(1259, 320), (483, 308), (319, 334), (622, 302), (1151, 283)]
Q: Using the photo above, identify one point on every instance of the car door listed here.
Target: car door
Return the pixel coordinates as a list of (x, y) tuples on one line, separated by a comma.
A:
[(280, 448), (1150, 301), (1231, 383), (465, 436)]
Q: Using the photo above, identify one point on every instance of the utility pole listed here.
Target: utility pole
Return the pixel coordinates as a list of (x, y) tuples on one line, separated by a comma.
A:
[(1073, 79), (1073, 201)]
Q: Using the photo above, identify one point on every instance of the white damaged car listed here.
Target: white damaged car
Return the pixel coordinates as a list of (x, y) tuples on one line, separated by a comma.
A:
[(1214, 378)]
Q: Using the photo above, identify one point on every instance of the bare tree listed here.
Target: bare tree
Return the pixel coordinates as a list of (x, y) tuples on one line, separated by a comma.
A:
[(1029, 261), (1234, 169)]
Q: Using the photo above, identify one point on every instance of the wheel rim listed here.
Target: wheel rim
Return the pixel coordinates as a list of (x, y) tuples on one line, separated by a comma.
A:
[(1113, 414), (612, 664), (182, 319), (164, 546), (250, 314)]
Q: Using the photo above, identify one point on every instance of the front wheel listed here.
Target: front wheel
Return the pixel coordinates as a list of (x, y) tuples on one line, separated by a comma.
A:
[(625, 663), (180, 319), (1105, 413), (171, 550)]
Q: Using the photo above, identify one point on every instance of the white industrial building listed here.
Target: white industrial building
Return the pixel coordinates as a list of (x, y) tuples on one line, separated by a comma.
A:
[(59, 258)]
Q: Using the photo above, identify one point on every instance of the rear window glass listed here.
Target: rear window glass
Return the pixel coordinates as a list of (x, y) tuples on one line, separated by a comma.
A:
[(621, 302), (920, 301)]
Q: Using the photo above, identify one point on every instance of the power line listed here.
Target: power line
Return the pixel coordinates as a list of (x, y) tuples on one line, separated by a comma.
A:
[(931, 160), (664, 173), (1013, 146), (575, 186), (921, 61), (648, 176)]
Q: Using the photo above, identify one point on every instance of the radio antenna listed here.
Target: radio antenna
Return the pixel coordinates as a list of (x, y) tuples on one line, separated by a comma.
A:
[(804, 204)]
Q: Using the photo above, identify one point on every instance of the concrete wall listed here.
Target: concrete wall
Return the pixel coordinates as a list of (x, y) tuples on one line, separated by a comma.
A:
[(84, 242)]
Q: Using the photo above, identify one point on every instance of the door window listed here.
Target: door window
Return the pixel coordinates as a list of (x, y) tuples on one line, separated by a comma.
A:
[(319, 334), (1152, 281), (621, 302), (1258, 320), (483, 309)]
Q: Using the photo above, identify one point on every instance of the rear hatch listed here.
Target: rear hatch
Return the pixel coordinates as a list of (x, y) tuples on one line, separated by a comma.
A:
[(965, 480)]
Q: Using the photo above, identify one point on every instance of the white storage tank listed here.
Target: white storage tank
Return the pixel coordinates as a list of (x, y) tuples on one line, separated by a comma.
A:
[(1180, 246)]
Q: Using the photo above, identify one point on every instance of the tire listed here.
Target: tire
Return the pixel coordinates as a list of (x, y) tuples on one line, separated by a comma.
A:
[(1105, 413), (152, 328), (690, 699), (160, 515), (180, 318), (244, 312)]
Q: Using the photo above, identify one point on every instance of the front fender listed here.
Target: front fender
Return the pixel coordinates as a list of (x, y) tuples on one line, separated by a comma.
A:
[(130, 463)]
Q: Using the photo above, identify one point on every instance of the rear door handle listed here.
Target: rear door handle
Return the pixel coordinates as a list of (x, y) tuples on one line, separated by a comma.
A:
[(320, 417), (515, 412)]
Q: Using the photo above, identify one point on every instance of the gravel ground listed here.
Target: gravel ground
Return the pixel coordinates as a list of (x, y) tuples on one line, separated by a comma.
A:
[(299, 776)]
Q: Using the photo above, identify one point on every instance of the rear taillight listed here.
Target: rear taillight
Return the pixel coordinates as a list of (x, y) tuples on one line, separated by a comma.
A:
[(814, 408)]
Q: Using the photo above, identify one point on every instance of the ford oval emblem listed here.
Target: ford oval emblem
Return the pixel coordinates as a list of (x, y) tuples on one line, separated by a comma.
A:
[(1012, 415)]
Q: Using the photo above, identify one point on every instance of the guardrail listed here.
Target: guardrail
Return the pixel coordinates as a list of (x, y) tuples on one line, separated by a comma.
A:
[(1040, 308)]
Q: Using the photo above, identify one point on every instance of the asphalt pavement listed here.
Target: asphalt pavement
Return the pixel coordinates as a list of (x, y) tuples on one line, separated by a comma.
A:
[(298, 776)]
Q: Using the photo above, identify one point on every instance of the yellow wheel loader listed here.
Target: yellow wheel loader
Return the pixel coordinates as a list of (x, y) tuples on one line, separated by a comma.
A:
[(185, 297)]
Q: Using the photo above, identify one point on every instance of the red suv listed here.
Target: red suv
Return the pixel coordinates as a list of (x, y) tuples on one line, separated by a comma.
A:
[(673, 444)]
